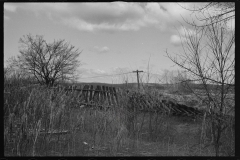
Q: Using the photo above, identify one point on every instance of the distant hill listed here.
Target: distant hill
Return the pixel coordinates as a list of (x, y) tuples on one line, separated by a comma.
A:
[(148, 85)]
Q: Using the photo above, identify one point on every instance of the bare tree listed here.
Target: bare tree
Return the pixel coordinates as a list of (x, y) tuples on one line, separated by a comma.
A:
[(212, 12), (47, 62), (209, 57)]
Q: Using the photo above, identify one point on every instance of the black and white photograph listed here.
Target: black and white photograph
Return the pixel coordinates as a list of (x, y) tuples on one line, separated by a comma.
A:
[(119, 79)]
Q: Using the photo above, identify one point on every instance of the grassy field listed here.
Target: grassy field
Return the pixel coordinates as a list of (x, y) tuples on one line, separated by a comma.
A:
[(41, 122)]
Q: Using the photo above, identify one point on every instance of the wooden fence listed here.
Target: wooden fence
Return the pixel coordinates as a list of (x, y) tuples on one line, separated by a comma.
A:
[(90, 95)]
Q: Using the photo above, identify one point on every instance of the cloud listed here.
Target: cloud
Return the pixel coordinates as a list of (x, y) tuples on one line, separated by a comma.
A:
[(115, 16), (120, 70), (57, 8), (10, 7), (86, 72), (97, 72), (86, 26), (97, 49), (113, 13), (175, 40), (176, 10), (104, 49)]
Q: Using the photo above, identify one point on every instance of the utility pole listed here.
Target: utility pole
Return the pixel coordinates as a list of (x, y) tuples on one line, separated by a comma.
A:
[(138, 77)]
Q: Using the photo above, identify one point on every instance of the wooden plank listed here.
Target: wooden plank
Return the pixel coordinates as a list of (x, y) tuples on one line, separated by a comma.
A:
[(85, 93), (114, 97), (96, 94), (81, 96), (79, 91), (91, 94), (101, 94), (104, 94), (108, 95), (111, 95), (115, 94)]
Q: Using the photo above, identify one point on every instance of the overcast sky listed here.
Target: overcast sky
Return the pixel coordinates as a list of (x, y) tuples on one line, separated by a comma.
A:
[(114, 37)]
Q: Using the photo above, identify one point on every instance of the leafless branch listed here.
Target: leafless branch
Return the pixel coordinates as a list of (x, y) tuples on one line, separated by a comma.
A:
[(48, 62)]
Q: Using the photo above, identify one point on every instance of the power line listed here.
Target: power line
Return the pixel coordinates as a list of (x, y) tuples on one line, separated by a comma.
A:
[(106, 75)]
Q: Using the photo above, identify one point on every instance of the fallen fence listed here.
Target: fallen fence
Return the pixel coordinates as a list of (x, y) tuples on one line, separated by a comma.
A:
[(144, 102), (90, 95)]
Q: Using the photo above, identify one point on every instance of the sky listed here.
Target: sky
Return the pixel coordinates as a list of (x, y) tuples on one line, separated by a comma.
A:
[(115, 38)]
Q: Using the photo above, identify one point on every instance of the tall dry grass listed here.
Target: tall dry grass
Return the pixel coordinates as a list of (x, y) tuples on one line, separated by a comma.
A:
[(42, 122)]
